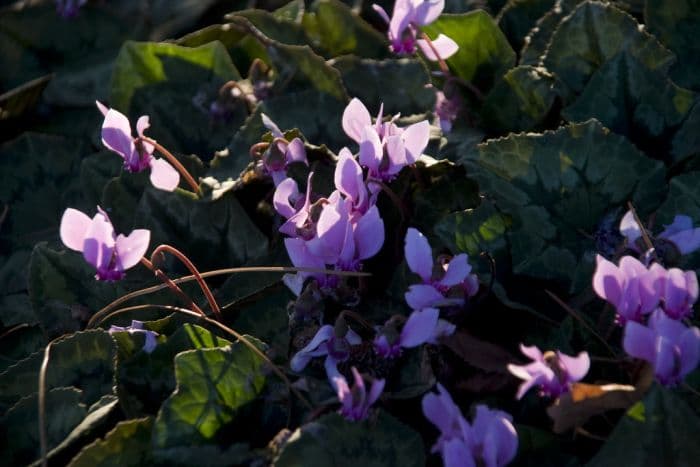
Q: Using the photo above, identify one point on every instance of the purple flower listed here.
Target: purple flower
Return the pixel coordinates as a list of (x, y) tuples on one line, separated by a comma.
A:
[(680, 232), (422, 326), (407, 18), (668, 345), (453, 276), (491, 441), (326, 343), (385, 148), (679, 291), (137, 328), (553, 372), (281, 152), (110, 254), (137, 153), (356, 401), (632, 288), (69, 8), (446, 110)]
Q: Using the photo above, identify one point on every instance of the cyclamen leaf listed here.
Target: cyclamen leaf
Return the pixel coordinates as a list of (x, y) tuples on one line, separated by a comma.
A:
[(559, 184), (536, 42), (593, 34), (129, 443), (518, 17)]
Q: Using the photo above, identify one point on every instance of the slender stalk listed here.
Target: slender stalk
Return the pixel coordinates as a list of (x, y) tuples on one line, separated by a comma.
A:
[(175, 163), (258, 148), (217, 272), (43, 442), (576, 316), (234, 85), (168, 283), (642, 229), (441, 61), (227, 330), (195, 272)]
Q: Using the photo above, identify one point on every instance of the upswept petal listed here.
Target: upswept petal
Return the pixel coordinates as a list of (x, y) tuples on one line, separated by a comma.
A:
[(415, 139), (419, 327), (371, 149), (455, 453), (419, 256), (296, 151), (74, 226), (116, 134), (576, 367), (639, 341), (400, 19), (382, 12), (348, 178), (444, 45), (441, 410), (630, 229), (272, 126), (369, 234), (130, 249), (421, 296), (457, 270), (427, 11), (284, 193), (98, 246), (608, 281), (163, 175), (355, 118), (302, 358), (689, 346)]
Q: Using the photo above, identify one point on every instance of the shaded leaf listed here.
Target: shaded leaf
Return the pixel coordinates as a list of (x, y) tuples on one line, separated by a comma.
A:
[(518, 17), (536, 42), (479, 353), (332, 440), (686, 141), (129, 443), (23, 99)]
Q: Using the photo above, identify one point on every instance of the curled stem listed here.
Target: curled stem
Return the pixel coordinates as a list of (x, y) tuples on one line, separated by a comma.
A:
[(195, 272), (168, 283), (218, 272), (258, 148), (227, 330), (175, 163), (43, 442)]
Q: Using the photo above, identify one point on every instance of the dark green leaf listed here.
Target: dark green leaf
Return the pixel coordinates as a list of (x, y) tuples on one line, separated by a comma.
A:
[(558, 186), (22, 99), (403, 85), (332, 440), (686, 142), (484, 53), (519, 101), (518, 17), (212, 384), (19, 427), (633, 101), (660, 429), (129, 443), (537, 41), (593, 34)]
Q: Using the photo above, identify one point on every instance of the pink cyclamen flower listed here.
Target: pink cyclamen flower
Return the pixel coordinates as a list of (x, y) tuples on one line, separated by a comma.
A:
[(490, 441), (110, 254), (137, 153), (679, 292), (680, 232), (281, 152), (326, 343), (454, 276), (385, 148), (632, 288), (667, 344), (136, 327), (552, 372), (446, 110), (422, 326), (404, 26), (356, 401)]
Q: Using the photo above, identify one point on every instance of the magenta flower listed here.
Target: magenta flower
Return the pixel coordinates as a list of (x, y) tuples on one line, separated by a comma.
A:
[(281, 152), (326, 343), (356, 401), (680, 232), (668, 345), (491, 441), (404, 25), (137, 153), (446, 110), (422, 326), (385, 148), (110, 254), (137, 328), (454, 277), (632, 289), (552, 372)]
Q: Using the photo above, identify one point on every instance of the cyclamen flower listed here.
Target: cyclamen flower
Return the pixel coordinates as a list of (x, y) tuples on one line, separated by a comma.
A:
[(69, 8), (356, 401), (281, 152), (326, 343), (553, 372), (669, 346), (137, 153), (446, 110), (454, 276), (491, 441), (404, 25), (632, 288), (384, 147), (422, 327), (679, 291), (680, 232), (110, 254), (137, 328)]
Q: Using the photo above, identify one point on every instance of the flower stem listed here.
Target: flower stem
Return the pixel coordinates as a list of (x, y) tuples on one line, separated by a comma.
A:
[(217, 272), (43, 442), (168, 283), (642, 229), (441, 61), (195, 272), (175, 163)]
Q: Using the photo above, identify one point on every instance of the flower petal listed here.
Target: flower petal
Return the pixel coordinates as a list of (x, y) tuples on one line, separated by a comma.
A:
[(419, 256), (355, 118), (577, 367), (116, 134), (369, 234), (419, 328), (444, 46), (310, 350), (415, 139), (638, 341), (272, 126), (428, 11), (74, 226), (98, 246), (348, 177), (421, 296), (130, 249), (371, 150), (608, 281), (296, 151), (457, 270), (163, 175)]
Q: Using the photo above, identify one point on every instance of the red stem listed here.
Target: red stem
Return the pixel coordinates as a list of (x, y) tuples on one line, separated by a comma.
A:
[(174, 162), (172, 285)]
